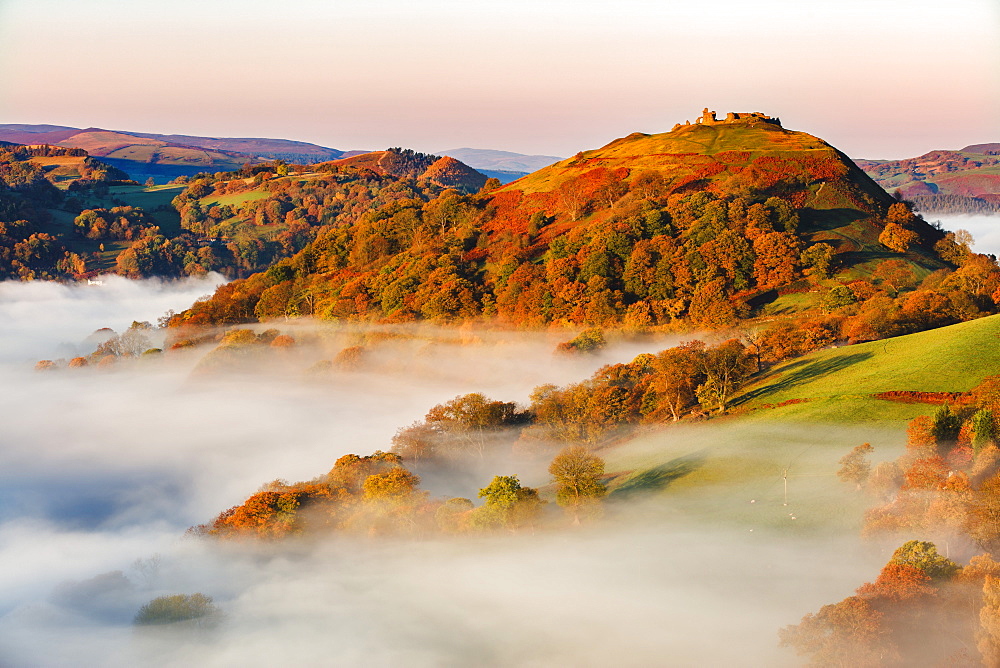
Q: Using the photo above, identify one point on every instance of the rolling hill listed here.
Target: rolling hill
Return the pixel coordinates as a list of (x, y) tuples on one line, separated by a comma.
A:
[(164, 157), (944, 181)]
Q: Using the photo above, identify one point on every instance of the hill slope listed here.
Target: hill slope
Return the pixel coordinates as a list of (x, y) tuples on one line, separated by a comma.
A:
[(840, 384), (703, 226), (963, 181)]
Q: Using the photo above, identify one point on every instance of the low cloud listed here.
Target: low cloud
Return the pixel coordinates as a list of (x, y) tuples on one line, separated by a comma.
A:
[(100, 467)]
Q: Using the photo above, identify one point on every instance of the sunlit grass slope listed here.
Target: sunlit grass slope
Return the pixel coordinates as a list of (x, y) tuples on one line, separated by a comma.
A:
[(949, 359), (732, 469)]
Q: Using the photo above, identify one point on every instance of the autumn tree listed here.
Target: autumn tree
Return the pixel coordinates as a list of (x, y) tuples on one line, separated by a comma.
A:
[(351, 471), (679, 374), (983, 520), (577, 476), (395, 484), (896, 237), (849, 633), (469, 423)]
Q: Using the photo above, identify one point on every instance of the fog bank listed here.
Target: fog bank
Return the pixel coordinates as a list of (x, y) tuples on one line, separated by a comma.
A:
[(100, 467)]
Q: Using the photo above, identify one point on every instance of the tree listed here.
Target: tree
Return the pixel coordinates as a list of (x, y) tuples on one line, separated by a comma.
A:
[(589, 341), (924, 556), (577, 476), (725, 367), (849, 633), (395, 484), (196, 610), (818, 260), (983, 429), (679, 371), (946, 427), (898, 238), (854, 466), (508, 504), (983, 521), (470, 422)]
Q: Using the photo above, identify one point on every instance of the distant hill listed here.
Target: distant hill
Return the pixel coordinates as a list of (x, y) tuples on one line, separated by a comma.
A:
[(986, 149), (705, 225), (502, 161), (944, 181), (164, 157), (406, 163), (299, 152)]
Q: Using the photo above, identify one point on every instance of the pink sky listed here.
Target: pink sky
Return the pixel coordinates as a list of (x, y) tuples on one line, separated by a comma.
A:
[(876, 78)]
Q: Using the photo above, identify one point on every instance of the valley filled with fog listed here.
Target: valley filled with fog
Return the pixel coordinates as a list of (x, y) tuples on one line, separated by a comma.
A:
[(103, 469)]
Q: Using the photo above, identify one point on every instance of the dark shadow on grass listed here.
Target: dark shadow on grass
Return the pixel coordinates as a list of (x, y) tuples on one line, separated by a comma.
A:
[(657, 478), (801, 372), (820, 220)]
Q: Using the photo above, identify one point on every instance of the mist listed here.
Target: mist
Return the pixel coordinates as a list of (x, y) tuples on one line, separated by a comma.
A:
[(101, 467), (985, 229)]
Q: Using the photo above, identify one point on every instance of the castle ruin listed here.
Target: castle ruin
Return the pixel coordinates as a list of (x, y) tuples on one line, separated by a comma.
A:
[(743, 117)]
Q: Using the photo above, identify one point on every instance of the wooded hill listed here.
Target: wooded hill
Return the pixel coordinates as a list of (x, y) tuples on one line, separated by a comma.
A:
[(91, 219), (702, 226)]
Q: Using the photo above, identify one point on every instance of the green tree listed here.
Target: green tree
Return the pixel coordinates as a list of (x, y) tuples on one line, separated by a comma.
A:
[(508, 504), (983, 429), (924, 555), (946, 426), (195, 610)]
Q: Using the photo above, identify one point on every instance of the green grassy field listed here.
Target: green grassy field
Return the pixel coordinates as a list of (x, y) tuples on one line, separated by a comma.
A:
[(949, 359), (732, 469), (235, 199)]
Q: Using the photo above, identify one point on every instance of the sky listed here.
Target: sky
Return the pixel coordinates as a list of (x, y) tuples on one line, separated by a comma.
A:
[(876, 78)]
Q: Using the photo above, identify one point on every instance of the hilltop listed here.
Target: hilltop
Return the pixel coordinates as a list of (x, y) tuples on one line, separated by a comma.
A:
[(705, 225), (944, 181)]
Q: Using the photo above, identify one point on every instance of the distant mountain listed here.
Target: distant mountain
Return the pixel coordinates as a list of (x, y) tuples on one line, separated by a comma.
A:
[(164, 157), (299, 152), (502, 161), (944, 181)]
